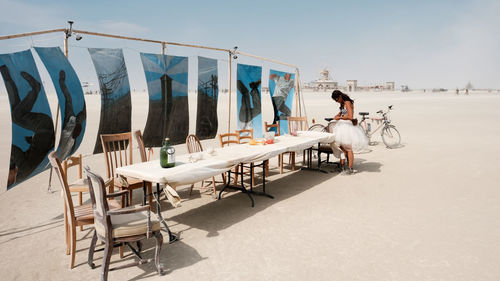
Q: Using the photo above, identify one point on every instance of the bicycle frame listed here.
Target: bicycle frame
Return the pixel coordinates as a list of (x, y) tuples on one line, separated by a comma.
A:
[(381, 122)]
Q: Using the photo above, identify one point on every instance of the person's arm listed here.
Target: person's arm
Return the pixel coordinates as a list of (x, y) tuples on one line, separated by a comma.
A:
[(337, 117)]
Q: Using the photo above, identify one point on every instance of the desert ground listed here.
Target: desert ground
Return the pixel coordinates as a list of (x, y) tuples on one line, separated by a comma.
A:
[(428, 210)]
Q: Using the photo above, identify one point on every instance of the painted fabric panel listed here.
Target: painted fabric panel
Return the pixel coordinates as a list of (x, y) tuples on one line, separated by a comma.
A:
[(281, 88), (32, 126), (208, 91), (167, 79), (71, 101), (116, 104), (249, 98)]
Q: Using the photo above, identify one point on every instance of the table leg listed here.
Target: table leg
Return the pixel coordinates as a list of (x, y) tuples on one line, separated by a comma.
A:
[(172, 237)]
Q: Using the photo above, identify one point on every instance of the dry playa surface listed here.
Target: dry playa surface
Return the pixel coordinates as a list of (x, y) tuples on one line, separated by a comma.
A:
[(428, 210)]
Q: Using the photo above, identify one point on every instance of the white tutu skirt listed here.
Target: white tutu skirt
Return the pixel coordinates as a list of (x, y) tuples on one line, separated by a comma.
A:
[(349, 136)]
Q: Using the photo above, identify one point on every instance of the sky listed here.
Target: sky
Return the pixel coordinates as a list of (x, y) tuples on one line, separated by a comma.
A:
[(422, 44)]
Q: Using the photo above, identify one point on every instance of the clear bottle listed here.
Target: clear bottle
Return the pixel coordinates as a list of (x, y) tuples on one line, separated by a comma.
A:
[(369, 127), (167, 154)]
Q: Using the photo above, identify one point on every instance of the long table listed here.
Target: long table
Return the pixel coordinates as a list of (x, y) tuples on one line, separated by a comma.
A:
[(193, 168)]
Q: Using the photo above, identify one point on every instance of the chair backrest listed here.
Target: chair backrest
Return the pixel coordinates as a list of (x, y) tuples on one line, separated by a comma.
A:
[(61, 175), (229, 138), (268, 127), (100, 208), (244, 135), (142, 149), (193, 144), (71, 162), (297, 124), (117, 151)]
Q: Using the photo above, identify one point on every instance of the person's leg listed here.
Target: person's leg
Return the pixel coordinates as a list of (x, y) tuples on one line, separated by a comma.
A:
[(350, 158), (342, 160)]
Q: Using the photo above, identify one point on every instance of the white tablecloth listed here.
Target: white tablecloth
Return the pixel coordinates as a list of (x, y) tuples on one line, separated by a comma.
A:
[(192, 168)]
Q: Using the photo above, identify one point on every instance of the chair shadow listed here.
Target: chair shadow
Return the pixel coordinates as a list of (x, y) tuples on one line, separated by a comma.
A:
[(172, 256)]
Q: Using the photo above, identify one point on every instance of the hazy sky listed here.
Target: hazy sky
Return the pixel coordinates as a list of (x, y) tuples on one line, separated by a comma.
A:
[(439, 43)]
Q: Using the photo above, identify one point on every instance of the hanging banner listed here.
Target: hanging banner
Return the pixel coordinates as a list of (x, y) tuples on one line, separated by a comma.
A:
[(281, 88), (116, 104), (168, 117), (32, 126), (71, 101), (249, 98), (208, 91)]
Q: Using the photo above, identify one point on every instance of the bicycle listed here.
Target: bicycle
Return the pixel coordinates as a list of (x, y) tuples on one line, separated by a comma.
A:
[(390, 135)]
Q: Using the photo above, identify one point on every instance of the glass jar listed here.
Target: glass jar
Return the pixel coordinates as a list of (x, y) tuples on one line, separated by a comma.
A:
[(167, 154)]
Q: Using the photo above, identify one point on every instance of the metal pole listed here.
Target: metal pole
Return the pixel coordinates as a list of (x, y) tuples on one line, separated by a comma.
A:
[(229, 96), (66, 53)]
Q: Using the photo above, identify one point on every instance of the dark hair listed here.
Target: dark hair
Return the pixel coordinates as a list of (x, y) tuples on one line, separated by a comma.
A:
[(336, 94)]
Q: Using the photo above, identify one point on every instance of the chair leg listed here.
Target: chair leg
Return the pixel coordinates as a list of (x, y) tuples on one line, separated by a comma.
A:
[(292, 155), (90, 260), (236, 169), (150, 196), (108, 250), (191, 189), (224, 178), (266, 164), (130, 197), (213, 185), (73, 245), (66, 230), (159, 242), (280, 162), (80, 201)]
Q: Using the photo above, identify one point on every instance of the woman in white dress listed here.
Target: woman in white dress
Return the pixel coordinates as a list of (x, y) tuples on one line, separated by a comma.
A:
[(348, 136)]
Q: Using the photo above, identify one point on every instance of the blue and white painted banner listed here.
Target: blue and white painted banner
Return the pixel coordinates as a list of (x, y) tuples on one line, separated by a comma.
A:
[(281, 88), (32, 125), (208, 92), (249, 98), (71, 101), (116, 104), (167, 78)]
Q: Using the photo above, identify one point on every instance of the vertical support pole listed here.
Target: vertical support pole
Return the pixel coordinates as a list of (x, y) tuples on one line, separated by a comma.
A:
[(163, 48), (49, 188), (297, 93), (229, 95)]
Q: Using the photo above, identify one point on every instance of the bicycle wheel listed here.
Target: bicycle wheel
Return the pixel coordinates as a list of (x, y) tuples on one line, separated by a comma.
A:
[(390, 136), (318, 128)]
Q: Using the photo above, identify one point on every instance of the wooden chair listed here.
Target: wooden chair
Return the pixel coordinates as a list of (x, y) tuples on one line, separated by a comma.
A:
[(244, 136), (80, 185), (117, 150), (194, 145), (145, 158), (226, 140), (73, 215), (298, 124), (121, 227), (268, 128)]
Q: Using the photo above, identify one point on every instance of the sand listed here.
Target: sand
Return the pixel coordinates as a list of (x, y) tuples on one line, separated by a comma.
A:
[(425, 211)]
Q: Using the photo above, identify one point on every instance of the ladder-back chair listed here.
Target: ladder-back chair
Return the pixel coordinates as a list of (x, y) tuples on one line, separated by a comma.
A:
[(74, 216)]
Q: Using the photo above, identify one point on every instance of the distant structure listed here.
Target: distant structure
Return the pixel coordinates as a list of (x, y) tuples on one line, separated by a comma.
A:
[(324, 82), (352, 85)]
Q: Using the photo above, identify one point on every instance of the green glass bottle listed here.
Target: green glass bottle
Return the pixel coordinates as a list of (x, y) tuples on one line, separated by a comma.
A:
[(167, 154)]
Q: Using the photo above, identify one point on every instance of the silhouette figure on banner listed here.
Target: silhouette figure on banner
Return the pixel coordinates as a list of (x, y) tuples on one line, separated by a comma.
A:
[(72, 123), (282, 89), (249, 109), (23, 163)]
